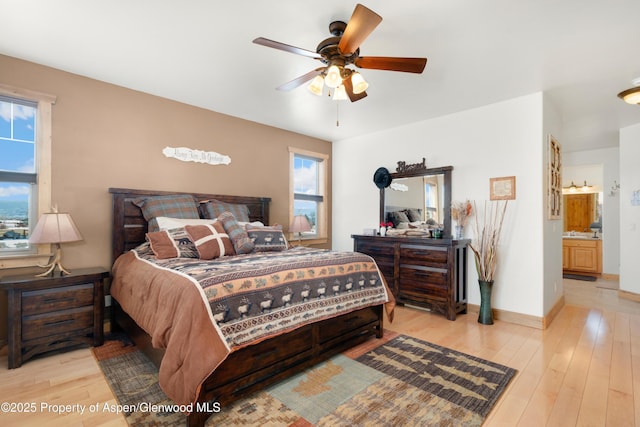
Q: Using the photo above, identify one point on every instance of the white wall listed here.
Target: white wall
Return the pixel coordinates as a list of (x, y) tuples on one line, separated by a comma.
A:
[(502, 139), (629, 214), (551, 228), (581, 163)]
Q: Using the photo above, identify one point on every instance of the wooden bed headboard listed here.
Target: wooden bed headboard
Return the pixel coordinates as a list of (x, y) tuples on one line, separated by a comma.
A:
[(129, 225)]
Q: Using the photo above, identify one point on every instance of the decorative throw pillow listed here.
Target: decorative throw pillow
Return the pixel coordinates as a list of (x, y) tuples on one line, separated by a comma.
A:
[(214, 208), (414, 214), (267, 239), (185, 244), (172, 244), (397, 217), (211, 240), (173, 205), (163, 245), (242, 244)]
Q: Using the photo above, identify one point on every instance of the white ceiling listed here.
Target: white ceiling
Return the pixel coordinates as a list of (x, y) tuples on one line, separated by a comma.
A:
[(200, 52)]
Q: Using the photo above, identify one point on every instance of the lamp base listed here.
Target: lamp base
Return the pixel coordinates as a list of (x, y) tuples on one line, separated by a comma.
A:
[(55, 262)]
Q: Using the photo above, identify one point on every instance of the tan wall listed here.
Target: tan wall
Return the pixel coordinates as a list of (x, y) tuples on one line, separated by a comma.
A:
[(109, 136)]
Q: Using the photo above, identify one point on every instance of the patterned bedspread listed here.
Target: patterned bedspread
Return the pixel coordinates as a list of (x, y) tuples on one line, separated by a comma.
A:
[(201, 311), (264, 294)]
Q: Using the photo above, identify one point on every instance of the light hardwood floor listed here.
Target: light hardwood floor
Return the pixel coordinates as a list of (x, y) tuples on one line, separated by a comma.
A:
[(581, 371)]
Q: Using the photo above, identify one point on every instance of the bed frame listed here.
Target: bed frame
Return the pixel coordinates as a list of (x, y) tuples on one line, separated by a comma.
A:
[(254, 367)]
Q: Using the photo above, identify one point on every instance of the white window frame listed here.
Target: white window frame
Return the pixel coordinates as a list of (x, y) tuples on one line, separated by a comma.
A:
[(41, 253), (322, 219)]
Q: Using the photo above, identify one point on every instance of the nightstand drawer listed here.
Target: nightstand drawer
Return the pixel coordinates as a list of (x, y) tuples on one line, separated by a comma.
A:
[(57, 299), (59, 322)]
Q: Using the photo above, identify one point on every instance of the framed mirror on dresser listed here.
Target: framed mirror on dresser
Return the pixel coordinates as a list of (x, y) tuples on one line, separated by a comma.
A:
[(421, 270), (426, 192)]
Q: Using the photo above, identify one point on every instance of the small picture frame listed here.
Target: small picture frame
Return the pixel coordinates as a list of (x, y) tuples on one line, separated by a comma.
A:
[(503, 188)]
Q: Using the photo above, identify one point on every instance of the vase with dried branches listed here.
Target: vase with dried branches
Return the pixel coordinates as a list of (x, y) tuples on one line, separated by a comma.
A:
[(485, 250)]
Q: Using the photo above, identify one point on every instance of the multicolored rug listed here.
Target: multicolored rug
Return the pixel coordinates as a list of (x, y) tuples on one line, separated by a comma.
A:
[(399, 380)]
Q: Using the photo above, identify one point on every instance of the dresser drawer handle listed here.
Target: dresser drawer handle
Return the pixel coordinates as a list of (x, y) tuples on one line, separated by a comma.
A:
[(57, 300), (59, 322), (420, 273)]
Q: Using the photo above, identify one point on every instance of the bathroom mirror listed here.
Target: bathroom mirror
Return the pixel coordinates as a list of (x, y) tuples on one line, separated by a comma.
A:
[(581, 210)]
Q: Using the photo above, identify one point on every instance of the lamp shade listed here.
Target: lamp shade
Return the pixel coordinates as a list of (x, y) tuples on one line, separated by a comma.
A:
[(55, 227), (359, 84), (316, 85), (333, 78), (300, 224), (340, 94)]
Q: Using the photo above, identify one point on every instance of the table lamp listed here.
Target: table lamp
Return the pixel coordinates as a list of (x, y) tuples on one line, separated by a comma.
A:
[(299, 225), (56, 228)]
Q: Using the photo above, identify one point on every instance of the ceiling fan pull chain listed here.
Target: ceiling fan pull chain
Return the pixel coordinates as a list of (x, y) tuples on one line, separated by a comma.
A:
[(338, 114)]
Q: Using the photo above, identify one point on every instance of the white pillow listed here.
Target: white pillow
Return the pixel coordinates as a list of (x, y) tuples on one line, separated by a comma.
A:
[(253, 224), (166, 223)]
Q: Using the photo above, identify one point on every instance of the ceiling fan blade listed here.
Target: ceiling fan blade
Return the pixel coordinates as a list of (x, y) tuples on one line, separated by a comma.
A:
[(300, 80), (407, 65), (287, 48), (348, 87), (362, 23)]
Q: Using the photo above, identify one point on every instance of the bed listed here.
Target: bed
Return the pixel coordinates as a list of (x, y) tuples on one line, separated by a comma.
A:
[(202, 354)]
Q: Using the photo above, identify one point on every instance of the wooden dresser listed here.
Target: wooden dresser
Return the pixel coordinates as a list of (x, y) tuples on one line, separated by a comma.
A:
[(53, 312), (430, 273)]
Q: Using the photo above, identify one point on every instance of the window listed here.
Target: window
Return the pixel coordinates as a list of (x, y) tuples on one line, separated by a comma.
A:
[(18, 178), (308, 191), (25, 171)]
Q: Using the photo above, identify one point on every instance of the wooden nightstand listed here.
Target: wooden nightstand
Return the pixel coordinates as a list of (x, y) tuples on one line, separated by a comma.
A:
[(50, 313)]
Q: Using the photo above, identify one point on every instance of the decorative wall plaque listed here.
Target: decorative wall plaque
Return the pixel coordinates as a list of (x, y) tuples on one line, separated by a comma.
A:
[(188, 155), (555, 180), (403, 167)]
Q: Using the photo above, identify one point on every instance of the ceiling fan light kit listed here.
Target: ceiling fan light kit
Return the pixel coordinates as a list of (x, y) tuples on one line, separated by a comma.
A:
[(341, 50), (316, 85), (631, 96), (358, 82), (340, 94), (333, 78)]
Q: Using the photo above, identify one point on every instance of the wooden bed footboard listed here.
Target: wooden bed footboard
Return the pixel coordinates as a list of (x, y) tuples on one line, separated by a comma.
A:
[(257, 366)]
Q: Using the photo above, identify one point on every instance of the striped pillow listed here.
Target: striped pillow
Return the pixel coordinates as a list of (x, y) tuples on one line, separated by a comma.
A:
[(211, 240), (242, 244), (214, 208), (174, 206)]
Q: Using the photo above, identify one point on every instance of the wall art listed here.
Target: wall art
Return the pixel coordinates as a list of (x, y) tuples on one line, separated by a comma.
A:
[(503, 188), (188, 155), (554, 191)]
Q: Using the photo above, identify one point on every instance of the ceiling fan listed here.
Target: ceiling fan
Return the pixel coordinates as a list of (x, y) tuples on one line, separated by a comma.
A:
[(341, 50)]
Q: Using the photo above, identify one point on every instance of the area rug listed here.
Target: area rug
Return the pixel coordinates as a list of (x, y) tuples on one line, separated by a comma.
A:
[(398, 381)]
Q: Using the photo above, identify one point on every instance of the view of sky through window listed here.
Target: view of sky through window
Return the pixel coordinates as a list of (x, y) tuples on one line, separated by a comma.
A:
[(305, 181), (17, 154)]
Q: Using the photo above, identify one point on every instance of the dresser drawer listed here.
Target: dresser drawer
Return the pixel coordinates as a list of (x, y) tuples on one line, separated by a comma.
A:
[(424, 255), (424, 280), (377, 251), (56, 299), (58, 322)]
